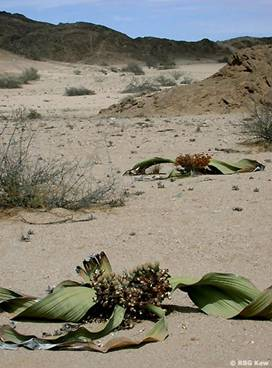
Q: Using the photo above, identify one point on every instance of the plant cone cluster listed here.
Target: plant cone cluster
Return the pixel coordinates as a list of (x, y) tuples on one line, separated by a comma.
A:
[(147, 284), (196, 161)]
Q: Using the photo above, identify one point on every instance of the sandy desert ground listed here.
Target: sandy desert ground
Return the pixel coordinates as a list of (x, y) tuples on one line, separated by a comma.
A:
[(189, 226)]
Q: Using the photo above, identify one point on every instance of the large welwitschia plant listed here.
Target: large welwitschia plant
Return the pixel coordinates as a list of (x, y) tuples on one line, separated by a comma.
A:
[(120, 300)]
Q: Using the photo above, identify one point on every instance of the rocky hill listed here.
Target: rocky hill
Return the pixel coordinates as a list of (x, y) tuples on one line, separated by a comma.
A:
[(92, 43), (245, 81)]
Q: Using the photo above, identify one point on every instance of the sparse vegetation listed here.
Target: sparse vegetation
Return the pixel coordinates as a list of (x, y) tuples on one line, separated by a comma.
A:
[(32, 182), (16, 80), (176, 74), (10, 81), (166, 81), (33, 114), (260, 125), (186, 80), (29, 74), (22, 114), (141, 87), (133, 68), (78, 91), (151, 63)]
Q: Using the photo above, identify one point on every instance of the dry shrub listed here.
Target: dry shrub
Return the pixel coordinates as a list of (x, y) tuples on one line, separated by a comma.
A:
[(78, 91), (166, 81), (259, 127), (10, 81), (29, 74), (16, 81), (141, 87), (32, 182), (22, 114), (133, 68)]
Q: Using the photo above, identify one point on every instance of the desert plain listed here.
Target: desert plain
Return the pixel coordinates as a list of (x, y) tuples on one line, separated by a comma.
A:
[(190, 225)]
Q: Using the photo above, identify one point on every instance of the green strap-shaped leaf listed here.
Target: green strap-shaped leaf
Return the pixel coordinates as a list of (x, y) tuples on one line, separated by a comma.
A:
[(226, 295), (18, 305), (12, 302), (6, 294), (224, 168), (227, 168), (83, 334), (9, 335), (65, 304), (247, 165), (140, 167), (261, 307), (83, 339)]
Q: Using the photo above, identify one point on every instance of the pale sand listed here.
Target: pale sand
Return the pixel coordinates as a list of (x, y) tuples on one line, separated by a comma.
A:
[(191, 232)]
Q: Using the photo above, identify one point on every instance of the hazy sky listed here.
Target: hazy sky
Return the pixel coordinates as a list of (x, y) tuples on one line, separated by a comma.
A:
[(176, 19)]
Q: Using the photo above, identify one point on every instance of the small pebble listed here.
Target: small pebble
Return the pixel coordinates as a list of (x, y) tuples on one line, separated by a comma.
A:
[(238, 209), (235, 187), (256, 190)]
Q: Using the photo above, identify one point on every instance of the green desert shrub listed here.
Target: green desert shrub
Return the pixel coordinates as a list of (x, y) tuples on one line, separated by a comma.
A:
[(141, 87), (10, 81), (16, 80), (78, 91), (166, 81), (33, 114), (29, 74), (186, 79), (176, 74)]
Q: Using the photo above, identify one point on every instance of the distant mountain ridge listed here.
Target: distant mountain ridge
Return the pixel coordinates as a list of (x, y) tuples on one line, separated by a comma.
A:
[(90, 43)]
